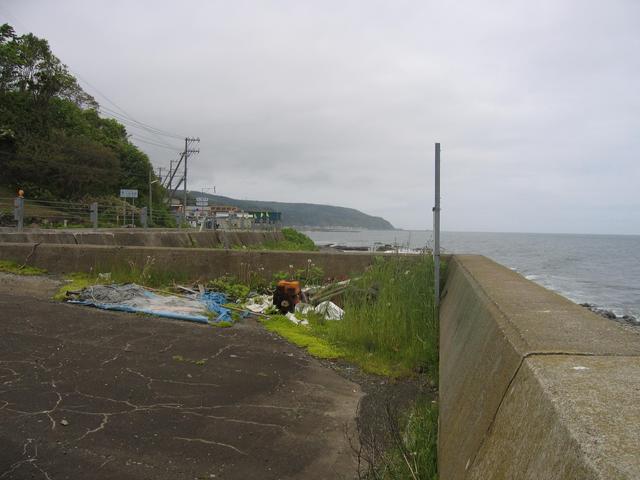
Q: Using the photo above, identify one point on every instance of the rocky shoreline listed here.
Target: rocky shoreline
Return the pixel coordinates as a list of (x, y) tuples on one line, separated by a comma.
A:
[(603, 312)]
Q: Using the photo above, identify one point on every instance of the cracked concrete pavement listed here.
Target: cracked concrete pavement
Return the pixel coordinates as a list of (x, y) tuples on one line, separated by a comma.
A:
[(92, 394)]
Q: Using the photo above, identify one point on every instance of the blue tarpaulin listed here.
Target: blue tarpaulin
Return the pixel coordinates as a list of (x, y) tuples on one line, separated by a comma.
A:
[(214, 302), (136, 299)]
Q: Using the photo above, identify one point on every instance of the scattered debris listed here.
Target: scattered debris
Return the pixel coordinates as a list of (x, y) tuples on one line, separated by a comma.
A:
[(296, 320), (197, 304), (259, 303)]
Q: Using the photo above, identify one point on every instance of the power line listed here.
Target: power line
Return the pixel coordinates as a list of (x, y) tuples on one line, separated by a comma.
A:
[(153, 143), (141, 125), (134, 130), (173, 147)]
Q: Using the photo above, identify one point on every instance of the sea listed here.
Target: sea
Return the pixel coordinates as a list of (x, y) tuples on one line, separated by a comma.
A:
[(602, 270)]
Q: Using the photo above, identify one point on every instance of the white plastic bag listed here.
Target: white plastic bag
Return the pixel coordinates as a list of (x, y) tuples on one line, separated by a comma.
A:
[(329, 310)]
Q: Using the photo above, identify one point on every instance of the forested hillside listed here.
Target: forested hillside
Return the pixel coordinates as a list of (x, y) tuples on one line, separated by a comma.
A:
[(53, 143)]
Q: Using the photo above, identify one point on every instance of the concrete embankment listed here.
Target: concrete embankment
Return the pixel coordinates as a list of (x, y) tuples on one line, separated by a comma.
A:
[(144, 238), (532, 386), (188, 262)]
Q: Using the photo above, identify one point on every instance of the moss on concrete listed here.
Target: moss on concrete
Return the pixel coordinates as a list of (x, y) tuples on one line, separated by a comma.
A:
[(302, 336), (8, 266), (75, 282)]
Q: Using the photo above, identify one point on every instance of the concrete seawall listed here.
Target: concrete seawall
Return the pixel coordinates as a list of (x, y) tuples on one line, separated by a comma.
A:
[(187, 262), (532, 386), (144, 238)]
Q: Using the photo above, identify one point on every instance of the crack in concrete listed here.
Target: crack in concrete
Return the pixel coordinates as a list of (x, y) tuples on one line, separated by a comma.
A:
[(117, 355), (210, 442), (235, 420), (103, 423), (150, 380), (31, 460), (40, 412)]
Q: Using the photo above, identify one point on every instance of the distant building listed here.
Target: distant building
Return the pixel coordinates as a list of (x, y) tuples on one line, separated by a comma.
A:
[(226, 217)]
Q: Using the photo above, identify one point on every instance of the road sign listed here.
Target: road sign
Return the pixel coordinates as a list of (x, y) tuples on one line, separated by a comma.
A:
[(202, 201), (128, 193)]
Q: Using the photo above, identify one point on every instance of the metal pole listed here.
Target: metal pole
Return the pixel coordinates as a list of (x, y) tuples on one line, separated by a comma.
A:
[(143, 217), (436, 231), (18, 212), (94, 214)]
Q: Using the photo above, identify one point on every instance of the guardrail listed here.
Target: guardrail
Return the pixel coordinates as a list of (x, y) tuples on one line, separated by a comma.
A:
[(18, 212), (22, 212)]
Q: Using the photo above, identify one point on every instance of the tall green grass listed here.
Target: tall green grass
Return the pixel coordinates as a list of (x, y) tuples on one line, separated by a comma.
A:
[(390, 315)]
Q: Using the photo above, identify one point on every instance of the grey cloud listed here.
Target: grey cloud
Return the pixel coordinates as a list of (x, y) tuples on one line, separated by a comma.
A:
[(536, 103)]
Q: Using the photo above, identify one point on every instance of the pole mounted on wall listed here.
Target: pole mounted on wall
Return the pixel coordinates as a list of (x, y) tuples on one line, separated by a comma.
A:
[(436, 231)]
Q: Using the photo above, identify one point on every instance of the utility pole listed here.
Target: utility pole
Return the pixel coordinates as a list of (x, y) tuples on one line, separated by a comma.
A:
[(187, 151), (436, 231), (184, 184)]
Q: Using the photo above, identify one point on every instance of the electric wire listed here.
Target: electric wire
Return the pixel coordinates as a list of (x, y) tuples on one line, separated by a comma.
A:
[(135, 137), (136, 124)]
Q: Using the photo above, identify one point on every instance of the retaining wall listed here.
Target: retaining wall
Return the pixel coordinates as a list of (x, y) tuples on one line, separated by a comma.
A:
[(532, 386), (187, 262), (145, 238)]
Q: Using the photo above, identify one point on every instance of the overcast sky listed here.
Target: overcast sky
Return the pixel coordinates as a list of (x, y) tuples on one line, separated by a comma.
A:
[(536, 103)]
